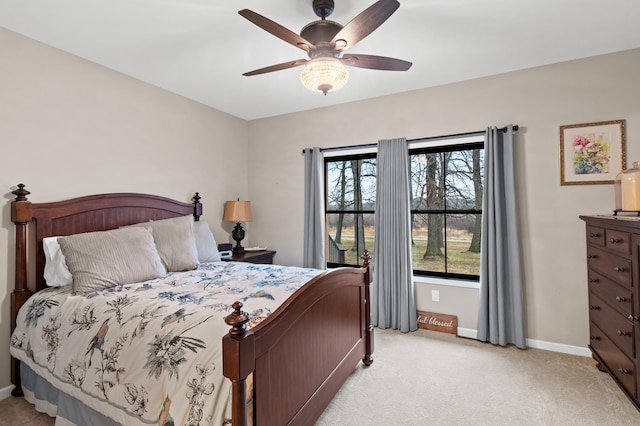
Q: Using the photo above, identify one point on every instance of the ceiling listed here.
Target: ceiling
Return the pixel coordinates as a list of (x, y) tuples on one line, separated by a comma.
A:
[(200, 48)]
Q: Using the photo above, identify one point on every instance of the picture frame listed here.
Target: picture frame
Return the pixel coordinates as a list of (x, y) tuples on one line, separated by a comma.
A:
[(592, 153)]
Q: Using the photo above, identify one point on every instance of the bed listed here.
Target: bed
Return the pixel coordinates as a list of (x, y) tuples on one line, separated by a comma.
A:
[(309, 331)]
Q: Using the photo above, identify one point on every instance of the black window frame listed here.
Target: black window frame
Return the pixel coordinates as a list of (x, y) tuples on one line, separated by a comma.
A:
[(412, 151), (327, 211), (445, 211)]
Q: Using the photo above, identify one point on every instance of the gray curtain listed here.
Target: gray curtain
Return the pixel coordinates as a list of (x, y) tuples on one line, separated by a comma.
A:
[(500, 317), (314, 252), (393, 301)]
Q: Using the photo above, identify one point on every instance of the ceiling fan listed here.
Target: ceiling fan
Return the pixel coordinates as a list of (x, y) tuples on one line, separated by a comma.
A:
[(325, 41)]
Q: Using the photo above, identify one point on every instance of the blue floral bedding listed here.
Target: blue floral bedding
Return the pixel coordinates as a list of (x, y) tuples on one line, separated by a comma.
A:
[(149, 353)]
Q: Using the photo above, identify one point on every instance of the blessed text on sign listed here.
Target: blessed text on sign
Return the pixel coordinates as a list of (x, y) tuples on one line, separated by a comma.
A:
[(438, 322)]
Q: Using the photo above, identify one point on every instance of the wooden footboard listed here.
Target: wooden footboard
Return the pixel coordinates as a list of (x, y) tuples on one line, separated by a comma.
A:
[(302, 353)]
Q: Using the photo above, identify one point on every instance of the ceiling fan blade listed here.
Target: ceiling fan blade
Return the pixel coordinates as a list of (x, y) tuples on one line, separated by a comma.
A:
[(277, 30), (364, 24), (375, 62), (278, 67)]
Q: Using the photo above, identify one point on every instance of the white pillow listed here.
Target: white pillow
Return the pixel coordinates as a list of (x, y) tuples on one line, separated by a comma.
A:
[(205, 242), (56, 273)]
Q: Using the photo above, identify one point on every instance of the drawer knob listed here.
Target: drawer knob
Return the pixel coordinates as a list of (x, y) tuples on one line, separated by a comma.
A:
[(620, 299), (595, 337), (594, 235), (623, 370), (592, 256), (593, 280), (632, 318), (594, 307), (615, 240), (622, 333), (619, 269)]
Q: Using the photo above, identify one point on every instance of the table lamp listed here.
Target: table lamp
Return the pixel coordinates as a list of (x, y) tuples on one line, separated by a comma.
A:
[(237, 211)]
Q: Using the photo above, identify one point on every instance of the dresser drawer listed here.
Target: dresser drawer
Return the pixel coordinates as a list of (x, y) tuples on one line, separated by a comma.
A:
[(619, 241), (617, 363), (612, 266), (620, 298), (618, 328), (595, 235)]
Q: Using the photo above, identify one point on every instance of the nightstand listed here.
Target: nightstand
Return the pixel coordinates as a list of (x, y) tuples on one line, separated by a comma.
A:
[(262, 256)]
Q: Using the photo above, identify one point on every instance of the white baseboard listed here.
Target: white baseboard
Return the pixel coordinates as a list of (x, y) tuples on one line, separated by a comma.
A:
[(469, 333), (559, 347), (537, 344), (6, 392)]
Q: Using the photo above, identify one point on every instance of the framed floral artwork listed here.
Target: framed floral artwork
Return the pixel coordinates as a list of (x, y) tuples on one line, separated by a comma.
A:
[(592, 153)]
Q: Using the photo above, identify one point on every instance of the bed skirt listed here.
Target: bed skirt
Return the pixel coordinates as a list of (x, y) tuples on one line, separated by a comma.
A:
[(66, 409)]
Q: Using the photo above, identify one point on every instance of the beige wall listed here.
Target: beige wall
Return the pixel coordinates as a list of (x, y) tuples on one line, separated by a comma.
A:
[(539, 100), (69, 127)]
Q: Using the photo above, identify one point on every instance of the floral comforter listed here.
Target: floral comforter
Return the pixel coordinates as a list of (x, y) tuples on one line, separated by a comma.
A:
[(149, 353)]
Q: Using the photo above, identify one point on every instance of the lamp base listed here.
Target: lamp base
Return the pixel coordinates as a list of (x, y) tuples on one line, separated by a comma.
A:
[(238, 235)]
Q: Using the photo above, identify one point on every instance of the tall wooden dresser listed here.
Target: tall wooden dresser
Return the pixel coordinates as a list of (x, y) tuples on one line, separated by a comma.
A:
[(613, 260)]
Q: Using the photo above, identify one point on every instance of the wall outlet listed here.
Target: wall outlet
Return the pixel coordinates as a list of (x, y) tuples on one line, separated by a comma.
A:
[(435, 295)]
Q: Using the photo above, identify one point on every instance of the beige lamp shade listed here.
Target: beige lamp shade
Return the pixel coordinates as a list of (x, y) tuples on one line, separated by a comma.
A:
[(237, 211)]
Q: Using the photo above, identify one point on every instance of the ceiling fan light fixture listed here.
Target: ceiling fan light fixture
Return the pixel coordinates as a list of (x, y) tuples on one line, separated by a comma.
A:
[(324, 74)]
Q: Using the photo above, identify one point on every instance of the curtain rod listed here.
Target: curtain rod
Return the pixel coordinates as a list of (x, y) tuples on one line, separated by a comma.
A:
[(453, 135)]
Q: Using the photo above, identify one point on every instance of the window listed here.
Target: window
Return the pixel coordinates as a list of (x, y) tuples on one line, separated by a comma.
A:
[(350, 185), (446, 194), (446, 186)]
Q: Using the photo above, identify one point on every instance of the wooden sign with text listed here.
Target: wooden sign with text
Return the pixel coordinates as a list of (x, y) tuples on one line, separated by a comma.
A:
[(438, 322)]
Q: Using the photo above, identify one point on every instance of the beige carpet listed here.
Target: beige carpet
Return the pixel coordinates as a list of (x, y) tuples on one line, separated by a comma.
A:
[(430, 378), (18, 412)]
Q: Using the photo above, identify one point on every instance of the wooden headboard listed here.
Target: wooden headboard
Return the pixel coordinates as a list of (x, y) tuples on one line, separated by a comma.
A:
[(35, 221), (85, 214)]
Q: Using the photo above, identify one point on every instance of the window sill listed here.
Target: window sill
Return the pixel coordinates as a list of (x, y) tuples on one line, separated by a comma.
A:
[(446, 282), (421, 279)]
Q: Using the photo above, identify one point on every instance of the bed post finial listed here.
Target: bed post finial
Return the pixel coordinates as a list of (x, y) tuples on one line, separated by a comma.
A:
[(237, 320), (21, 193), (197, 207), (365, 258), (238, 361)]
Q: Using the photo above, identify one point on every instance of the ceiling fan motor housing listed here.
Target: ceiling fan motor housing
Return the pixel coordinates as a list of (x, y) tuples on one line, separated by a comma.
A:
[(323, 8), (320, 33)]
